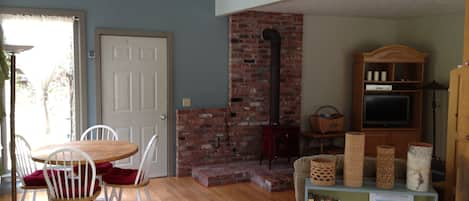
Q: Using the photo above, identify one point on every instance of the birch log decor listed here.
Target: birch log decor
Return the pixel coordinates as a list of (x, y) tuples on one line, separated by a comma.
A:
[(354, 156), (419, 159)]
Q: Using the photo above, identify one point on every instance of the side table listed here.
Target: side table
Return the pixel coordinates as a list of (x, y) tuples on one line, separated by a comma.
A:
[(323, 139)]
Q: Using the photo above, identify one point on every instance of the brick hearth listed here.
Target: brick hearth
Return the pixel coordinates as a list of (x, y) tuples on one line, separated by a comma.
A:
[(224, 135), (280, 178)]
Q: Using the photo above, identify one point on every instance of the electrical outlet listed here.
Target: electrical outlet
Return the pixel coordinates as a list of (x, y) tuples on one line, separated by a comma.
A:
[(186, 102)]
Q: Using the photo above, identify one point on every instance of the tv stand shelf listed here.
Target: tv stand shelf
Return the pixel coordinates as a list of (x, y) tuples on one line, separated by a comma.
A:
[(391, 82), (368, 187), (392, 91), (404, 70), (373, 129)]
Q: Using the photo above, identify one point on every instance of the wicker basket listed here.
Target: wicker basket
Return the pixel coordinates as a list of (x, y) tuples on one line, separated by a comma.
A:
[(385, 170), (334, 122), (323, 171), (354, 157)]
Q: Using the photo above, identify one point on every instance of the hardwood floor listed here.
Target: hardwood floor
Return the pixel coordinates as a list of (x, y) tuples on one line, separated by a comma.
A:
[(186, 189)]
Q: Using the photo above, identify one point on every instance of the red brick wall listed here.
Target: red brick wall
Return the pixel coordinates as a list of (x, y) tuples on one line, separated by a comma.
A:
[(239, 126), (197, 132), (249, 72)]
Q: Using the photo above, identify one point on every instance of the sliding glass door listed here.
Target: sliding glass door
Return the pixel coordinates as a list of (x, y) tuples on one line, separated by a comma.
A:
[(46, 97)]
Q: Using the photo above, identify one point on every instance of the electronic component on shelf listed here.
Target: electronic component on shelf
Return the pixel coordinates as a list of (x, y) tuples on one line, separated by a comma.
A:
[(378, 87)]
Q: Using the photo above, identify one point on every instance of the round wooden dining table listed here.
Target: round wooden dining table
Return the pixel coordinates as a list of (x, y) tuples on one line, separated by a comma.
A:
[(100, 150)]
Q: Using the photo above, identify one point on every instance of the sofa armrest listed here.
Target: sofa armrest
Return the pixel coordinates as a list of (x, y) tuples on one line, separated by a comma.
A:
[(302, 170)]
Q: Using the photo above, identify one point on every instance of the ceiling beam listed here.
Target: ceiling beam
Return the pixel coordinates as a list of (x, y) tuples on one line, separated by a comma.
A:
[(227, 7)]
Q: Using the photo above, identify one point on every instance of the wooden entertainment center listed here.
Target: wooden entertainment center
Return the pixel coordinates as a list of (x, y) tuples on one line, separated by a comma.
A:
[(402, 69)]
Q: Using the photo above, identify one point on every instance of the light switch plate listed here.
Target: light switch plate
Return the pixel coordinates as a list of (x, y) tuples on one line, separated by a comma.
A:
[(186, 102), (91, 54)]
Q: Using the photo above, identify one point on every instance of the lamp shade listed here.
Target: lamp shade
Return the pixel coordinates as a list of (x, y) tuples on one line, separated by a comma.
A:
[(16, 48)]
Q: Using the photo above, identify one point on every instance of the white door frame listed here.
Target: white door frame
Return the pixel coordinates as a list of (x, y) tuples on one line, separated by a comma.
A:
[(170, 119)]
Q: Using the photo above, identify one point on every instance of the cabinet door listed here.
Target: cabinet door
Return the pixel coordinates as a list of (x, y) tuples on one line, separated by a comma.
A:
[(458, 125), (462, 121), (462, 170), (401, 140), (455, 128), (373, 140)]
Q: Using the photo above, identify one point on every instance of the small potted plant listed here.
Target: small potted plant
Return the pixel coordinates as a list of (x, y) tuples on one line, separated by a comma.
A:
[(3, 73), (3, 76)]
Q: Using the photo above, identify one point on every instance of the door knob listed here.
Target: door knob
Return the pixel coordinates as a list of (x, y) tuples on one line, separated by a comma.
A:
[(163, 117), (467, 137)]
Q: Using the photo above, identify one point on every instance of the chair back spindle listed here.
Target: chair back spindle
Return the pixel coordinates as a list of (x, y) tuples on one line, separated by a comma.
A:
[(145, 164), (65, 184), (24, 164), (99, 132)]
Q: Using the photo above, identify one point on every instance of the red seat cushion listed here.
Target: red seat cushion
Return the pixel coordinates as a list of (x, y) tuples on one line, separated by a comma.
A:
[(37, 178), (101, 168), (120, 176)]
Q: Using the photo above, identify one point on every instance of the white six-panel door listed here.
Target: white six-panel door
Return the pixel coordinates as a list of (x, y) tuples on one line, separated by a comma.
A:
[(134, 92)]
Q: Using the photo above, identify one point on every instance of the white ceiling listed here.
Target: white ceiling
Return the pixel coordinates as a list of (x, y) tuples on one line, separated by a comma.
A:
[(367, 8)]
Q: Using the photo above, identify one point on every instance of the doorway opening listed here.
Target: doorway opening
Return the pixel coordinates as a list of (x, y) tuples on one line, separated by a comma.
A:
[(49, 104)]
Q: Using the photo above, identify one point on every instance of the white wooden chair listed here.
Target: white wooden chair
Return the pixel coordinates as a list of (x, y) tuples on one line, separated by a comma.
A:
[(66, 185), (119, 178), (31, 178), (99, 132)]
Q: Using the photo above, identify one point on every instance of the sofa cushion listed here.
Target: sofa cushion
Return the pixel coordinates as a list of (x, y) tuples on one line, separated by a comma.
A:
[(302, 171), (303, 164)]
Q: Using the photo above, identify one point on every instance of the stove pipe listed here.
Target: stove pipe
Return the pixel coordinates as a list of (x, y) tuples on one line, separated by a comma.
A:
[(275, 40)]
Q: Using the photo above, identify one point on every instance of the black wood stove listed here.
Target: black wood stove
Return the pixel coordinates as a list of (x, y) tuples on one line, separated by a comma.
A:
[(277, 140)]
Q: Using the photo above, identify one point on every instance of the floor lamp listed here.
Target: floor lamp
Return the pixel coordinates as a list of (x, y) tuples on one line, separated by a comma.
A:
[(434, 86), (12, 50)]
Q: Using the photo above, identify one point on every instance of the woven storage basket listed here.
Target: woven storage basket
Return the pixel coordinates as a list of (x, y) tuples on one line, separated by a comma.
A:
[(323, 170), (385, 170), (354, 157), (333, 123)]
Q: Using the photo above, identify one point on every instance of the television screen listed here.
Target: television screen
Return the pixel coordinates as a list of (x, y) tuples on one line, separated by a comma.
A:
[(387, 110)]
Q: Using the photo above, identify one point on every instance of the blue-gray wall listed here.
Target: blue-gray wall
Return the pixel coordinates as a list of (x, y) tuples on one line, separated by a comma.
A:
[(200, 51)]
